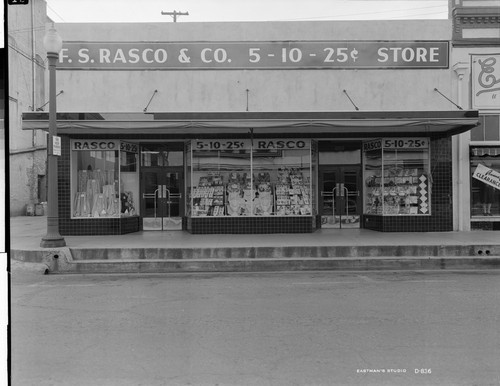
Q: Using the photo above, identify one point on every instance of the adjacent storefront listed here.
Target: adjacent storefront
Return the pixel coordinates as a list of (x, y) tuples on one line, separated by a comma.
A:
[(485, 143), (217, 136)]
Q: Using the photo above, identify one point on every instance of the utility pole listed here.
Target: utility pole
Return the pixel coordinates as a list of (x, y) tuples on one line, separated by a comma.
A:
[(174, 14)]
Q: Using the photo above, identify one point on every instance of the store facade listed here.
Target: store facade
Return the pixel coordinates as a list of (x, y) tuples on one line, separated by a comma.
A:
[(256, 127)]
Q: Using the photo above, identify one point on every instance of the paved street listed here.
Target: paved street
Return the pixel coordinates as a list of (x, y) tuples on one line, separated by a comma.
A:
[(305, 328)]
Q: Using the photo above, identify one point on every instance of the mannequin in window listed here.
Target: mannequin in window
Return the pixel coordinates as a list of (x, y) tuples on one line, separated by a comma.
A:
[(488, 196)]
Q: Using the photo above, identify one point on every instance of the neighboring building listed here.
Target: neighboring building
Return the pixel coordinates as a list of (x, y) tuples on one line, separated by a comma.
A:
[(26, 59), (3, 72), (476, 61), (257, 127)]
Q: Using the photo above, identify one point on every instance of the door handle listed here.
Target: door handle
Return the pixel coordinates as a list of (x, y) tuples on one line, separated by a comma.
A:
[(162, 191), (340, 189)]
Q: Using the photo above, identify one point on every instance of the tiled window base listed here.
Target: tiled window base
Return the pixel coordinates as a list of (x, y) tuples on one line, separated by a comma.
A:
[(95, 227), (485, 225), (255, 225), (407, 223)]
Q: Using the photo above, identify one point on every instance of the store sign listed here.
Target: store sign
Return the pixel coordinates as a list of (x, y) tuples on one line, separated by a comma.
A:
[(252, 55), (488, 176), (104, 145), (278, 144), (396, 143), (258, 144), (129, 147), (486, 81), (95, 145), (56, 145), (372, 145), (221, 144), (406, 143)]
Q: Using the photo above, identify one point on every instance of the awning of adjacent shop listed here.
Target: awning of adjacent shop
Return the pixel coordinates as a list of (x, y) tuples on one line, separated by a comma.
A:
[(319, 124), (479, 151)]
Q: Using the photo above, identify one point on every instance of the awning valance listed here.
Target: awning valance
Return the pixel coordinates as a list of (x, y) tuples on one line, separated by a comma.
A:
[(355, 124)]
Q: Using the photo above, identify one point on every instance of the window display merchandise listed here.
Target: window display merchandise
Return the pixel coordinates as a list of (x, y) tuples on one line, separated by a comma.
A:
[(104, 179), (235, 178), (397, 176), (485, 182)]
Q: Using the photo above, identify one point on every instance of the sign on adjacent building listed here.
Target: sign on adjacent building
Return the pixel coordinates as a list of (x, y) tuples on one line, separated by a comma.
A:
[(486, 81), (253, 55)]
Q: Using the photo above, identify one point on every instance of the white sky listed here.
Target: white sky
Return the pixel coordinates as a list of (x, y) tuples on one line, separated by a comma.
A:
[(86, 11), (243, 10)]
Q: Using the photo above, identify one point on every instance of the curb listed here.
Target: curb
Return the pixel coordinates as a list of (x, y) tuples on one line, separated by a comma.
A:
[(366, 251), (262, 259), (61, 262)]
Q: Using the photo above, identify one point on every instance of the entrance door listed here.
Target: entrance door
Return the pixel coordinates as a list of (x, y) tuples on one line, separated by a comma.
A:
[(161, 198), (340, 196)]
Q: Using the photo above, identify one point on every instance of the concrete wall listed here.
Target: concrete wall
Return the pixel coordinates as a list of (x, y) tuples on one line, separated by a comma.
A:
[(24, 170), (269, 90)]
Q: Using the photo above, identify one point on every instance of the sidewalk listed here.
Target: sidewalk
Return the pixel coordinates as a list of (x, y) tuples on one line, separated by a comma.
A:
[(330, 247)]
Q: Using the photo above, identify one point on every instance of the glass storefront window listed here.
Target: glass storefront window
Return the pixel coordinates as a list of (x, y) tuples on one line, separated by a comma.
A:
[(104, 179), (397, 176), (129, 179), (161, 155), (250, 178), (485, 183)]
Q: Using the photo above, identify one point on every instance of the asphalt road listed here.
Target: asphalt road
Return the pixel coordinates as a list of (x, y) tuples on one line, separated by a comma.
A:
[(306, 328)]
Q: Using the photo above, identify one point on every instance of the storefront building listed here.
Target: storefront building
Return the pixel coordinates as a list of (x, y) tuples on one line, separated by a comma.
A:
[(256, 127), (476, 54)]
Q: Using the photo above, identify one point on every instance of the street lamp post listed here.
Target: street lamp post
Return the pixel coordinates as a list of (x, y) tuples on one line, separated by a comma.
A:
[(53, 44)]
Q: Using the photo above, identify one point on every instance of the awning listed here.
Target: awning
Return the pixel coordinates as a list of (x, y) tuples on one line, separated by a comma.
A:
[(314, 124)]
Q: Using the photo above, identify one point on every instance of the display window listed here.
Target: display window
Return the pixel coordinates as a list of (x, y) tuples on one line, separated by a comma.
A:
[(104, 178), (397, 176), (260, 177), (485, 183)]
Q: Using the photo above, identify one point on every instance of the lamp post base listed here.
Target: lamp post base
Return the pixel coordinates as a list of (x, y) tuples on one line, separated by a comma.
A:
[(48, 242), (52, 239)]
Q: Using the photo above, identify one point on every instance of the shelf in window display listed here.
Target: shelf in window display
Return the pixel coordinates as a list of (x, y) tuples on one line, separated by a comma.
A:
[(397, 196), (241, 197)]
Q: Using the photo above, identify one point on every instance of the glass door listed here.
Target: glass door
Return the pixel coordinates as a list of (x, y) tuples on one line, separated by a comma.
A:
[(339, 198), (161, 198)]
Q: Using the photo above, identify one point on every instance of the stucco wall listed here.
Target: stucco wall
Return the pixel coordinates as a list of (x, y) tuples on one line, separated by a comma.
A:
[(26, 29), (269, 90), (24, 92)]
